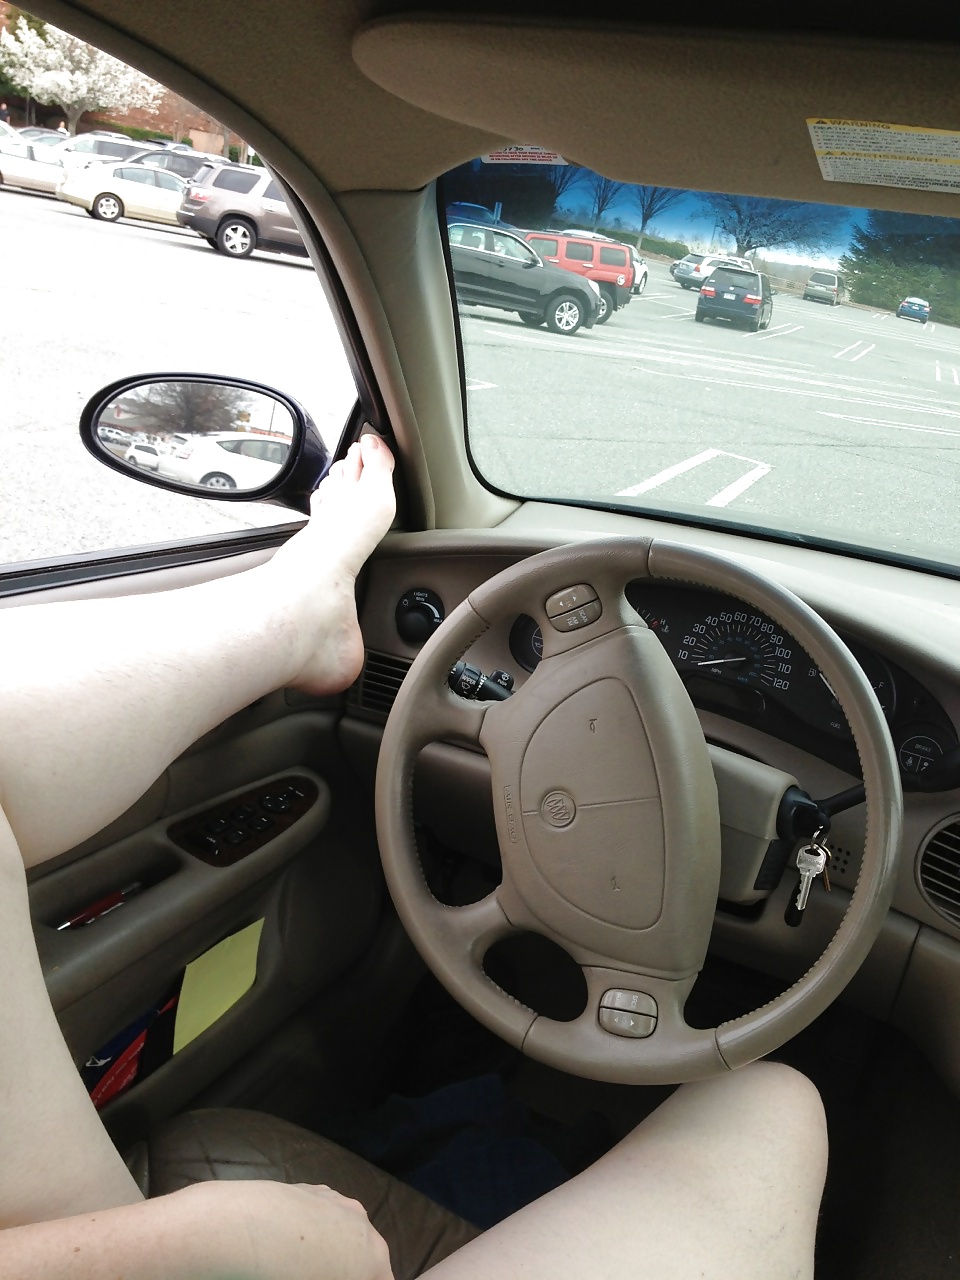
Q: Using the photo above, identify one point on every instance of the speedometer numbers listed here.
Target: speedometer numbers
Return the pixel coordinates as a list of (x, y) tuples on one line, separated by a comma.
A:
[(741, 647)]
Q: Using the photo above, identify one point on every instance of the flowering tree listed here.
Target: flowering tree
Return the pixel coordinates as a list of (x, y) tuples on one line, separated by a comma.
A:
[(58, 68)]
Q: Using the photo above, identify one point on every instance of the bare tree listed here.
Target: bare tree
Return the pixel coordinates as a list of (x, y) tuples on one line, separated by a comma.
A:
[(760, 223), (652, 201), (605, 193), (193, 408)]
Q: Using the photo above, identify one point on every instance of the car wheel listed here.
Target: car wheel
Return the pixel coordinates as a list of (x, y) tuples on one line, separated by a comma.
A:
[(237, 238), (641, 284), (211, 241), (606, 307), (534, 322), (699, 317), (218, 480), (765, 324), (565, 314), (756, 325), (106, 207)]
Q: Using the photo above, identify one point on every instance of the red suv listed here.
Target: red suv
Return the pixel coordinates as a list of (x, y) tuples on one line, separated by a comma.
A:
[(608, 262)]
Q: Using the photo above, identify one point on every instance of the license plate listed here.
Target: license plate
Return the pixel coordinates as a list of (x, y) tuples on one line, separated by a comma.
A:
[(729, 297)]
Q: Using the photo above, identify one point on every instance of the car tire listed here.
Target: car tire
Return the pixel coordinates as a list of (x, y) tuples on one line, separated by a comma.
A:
[(607, 306), (236, 237), (564, 314), (756, 325), (211, 241), (218, 480), (641, 284), (699, 317), (106, 207), (533, 322)]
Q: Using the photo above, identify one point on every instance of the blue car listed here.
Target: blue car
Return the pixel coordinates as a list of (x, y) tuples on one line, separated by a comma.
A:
[(914, 309)]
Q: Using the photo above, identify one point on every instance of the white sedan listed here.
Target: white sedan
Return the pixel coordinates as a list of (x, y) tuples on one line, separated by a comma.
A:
[(109, 192), (22, 164), (227, 460)]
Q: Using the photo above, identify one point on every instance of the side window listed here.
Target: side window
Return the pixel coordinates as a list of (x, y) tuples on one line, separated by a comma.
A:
[(273, 192), (613, 257), (578, 252), (239, 180), (115, 150), (545, 247), (145, 296), (169, 181), (508, 247)]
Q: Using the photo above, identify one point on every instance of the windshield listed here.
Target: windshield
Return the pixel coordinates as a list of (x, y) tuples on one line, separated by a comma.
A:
[(826, 414)]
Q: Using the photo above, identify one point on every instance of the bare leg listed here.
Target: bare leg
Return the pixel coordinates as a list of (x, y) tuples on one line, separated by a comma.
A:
[(99, 696), (96, 699), (723, 1180)]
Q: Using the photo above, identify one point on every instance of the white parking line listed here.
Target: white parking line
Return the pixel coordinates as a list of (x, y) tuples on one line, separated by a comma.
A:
[(865, 352), (781, 332), (721, 499), (936, 365), (474, 385), (894, 426), (838, 354)]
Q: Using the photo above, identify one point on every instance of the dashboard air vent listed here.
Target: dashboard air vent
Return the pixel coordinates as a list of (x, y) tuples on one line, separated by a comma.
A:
[(379, 682), (940, 870)]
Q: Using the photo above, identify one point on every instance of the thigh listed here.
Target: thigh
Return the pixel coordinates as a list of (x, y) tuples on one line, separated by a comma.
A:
[(723, 1179)]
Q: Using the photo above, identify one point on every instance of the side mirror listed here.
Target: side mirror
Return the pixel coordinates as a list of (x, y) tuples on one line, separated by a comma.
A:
[(211, 437)]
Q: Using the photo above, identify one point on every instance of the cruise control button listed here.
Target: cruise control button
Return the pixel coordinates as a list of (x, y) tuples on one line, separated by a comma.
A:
[(569, 598), (620, 1023), (581, 617), (629, 1001)]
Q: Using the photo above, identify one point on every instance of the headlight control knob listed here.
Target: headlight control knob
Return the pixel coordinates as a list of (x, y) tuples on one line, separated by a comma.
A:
[(419, 613)]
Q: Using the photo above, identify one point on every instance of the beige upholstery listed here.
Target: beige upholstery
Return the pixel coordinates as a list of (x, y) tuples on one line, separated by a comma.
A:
[(204, 1145)]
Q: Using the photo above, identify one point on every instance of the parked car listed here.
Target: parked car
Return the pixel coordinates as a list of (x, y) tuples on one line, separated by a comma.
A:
[(497, 269), (784, 523), (824, 286), (183, 161), (691, 270), (641, 272), (914, 309), (110, 192), (475, 213), (93, 148), (731, 293), (142, 454), (240, 208), (113, 435), (22, 164), (590, 256), (39, 134), (227, 460)]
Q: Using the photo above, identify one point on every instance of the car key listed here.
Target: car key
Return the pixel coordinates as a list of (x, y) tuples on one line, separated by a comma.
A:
[(811, 862)]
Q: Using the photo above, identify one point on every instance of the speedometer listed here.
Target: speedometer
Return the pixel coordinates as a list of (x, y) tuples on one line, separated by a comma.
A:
[(740, 647)]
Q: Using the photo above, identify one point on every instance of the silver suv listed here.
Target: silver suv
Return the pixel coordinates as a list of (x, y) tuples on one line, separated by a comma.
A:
[(691, 271), (237, 208)]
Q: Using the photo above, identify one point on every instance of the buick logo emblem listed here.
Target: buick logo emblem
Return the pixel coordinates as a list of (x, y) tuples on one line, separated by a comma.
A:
[(558, 809)]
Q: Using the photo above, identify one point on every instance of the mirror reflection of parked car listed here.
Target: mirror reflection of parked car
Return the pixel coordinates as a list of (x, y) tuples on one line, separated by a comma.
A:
[(109, 192), (227, 460), (592, 257), (914, 309), (734, 294), (824, 286), (142, 454), (497, 269), (694, 268), (238, 208)]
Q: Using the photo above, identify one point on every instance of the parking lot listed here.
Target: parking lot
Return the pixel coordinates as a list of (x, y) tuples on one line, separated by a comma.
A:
[(825, 418), (828, 417)]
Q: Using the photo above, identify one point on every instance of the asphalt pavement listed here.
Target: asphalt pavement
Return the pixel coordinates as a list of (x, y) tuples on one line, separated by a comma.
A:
[(88, 302), (835, 420)]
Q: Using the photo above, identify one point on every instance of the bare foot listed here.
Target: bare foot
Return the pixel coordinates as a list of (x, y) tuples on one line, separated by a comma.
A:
[(351, 510)]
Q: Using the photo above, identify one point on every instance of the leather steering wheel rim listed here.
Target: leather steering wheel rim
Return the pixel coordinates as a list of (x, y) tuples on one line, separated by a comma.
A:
[(545, 732)]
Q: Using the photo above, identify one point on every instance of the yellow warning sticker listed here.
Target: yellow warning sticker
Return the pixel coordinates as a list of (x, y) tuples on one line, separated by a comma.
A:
[(873, 153)]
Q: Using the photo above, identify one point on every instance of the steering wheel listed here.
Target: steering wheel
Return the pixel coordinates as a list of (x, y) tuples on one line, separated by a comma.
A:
[(607, 818)]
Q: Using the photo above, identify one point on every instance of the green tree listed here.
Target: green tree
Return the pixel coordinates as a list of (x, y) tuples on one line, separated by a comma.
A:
[(895, 255)]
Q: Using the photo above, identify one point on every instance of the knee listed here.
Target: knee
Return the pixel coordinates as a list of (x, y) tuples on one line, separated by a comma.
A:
[(783, 1101)]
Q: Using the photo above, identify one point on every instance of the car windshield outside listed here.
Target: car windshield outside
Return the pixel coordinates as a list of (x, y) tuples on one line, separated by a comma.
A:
[(836, 425)]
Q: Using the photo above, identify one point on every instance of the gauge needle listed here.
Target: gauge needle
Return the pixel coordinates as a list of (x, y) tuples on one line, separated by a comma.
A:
[(719, 662), (828, 684)]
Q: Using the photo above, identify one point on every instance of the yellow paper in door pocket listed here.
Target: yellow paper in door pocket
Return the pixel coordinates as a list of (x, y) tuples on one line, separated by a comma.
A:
[(214, 982)]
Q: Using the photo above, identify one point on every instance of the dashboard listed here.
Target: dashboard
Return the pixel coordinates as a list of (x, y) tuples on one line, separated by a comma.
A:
[(739, 663)]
